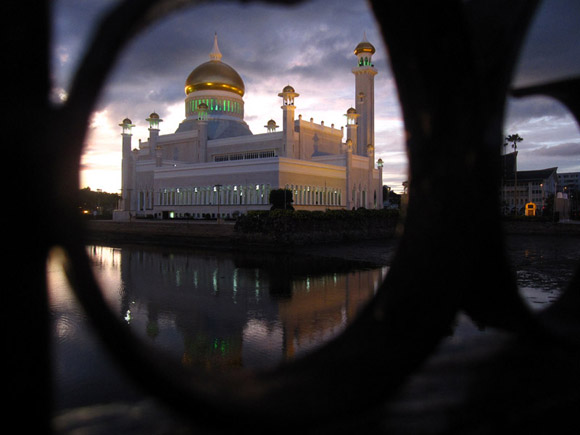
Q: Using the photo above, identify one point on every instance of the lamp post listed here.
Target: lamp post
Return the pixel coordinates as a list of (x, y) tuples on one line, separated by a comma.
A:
[(379, 202), (217, 187)]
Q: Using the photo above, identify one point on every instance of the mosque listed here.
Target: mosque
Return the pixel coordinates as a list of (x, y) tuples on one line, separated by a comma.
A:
[(213, 166)]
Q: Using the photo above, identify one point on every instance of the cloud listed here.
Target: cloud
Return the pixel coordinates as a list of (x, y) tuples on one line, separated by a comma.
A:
[(550, 132), (551, 49), (562, 150), (525, 108), (311, 47)]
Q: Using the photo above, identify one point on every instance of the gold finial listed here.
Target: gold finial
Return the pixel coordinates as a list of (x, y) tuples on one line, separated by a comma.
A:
[(215, 54)]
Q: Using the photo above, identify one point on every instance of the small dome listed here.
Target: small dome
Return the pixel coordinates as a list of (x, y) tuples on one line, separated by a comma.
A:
[(351, 110), (154, 116), (288, 93), (271, 125), (364, 47), (127, 121)]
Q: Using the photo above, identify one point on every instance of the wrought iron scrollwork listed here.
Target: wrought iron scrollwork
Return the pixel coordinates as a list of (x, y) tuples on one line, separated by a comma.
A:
[(453, 62)]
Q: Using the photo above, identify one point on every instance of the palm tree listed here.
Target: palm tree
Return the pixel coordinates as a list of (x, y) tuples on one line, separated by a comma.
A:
[(514, 139)]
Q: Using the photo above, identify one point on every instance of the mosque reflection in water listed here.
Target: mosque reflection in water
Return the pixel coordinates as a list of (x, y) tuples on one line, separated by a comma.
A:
[(223, 311)]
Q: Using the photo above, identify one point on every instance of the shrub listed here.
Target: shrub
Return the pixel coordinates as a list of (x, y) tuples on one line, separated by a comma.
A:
[(281, 222)]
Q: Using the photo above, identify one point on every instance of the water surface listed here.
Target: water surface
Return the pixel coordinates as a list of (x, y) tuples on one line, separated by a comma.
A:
[(210, 310), (223, 311)]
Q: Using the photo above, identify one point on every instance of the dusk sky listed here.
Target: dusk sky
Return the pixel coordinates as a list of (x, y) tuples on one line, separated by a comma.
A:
[(311, 48)]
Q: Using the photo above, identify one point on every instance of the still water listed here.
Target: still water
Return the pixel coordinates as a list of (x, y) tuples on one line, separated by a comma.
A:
[(224, 311), (212, 310)]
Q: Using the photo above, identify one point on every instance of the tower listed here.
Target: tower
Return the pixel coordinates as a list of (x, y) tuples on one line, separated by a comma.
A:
[(352, 127), (364, 74), (349, 182), (153, 121), (127, 166), (372, 188), (271, 126), (288, 94)]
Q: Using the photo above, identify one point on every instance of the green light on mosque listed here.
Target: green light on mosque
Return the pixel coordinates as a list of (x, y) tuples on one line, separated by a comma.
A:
[(364, 61), (216, 105), (221, 346)]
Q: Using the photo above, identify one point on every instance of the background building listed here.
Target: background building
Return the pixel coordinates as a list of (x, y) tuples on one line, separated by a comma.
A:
[(568, 192), (569, 181), (213, 164), (532, 187), (551, 193)]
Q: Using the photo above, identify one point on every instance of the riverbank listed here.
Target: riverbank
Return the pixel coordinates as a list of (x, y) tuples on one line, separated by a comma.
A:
[(163, 232), (568, 227), (204, 233), (209, 235), (213, 236)]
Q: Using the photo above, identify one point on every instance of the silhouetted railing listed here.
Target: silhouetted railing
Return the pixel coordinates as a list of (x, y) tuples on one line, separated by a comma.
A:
[(453, 63)]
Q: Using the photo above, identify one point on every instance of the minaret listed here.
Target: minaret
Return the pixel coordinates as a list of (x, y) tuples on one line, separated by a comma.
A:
[(365, 95), (351, 127), (372, 187), (271, 126), (153, 121), (288, 94), (127, 166), (348, 164)]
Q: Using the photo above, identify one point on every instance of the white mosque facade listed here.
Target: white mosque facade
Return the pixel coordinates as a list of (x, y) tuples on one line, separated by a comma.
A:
[(214, 166)]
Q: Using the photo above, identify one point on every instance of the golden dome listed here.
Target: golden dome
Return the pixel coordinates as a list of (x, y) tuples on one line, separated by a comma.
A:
[(364, 47), (288, 89), (214, 75)]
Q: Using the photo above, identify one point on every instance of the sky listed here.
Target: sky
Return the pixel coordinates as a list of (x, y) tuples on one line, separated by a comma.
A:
[(310, 47)]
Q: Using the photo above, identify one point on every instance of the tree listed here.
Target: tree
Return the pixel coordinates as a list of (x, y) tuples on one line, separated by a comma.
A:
[(97, 203), (514, 139), (548, 209), (281, 199), (391, 197)]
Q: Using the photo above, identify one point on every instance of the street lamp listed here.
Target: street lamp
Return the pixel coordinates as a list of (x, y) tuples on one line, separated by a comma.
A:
[(217, 187), (543, 205)]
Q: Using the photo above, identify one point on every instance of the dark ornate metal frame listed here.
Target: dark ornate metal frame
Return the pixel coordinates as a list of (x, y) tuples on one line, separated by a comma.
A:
[(453, 63)]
